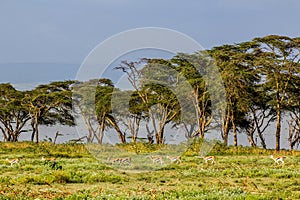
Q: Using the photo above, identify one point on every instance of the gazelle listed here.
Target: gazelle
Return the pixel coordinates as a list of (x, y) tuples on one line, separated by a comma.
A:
[(212, 159), (13, 161), (174, 159), (121, 161), (278, 159), (114, 160), (156, 159), (125, 161), (48, 159)]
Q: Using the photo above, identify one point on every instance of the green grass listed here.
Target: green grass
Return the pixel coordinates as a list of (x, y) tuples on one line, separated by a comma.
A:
[(239, 173)]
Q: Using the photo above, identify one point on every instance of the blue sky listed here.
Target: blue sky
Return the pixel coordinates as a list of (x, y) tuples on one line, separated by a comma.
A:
[(53, 37)]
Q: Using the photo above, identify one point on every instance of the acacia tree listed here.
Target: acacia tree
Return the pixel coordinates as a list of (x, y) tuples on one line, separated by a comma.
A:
[(102, 99), (154, 86), (13, 114), (199, 112), (84, 105), (294, 132), (278, 58), (49, 104), (92, 100), (259, 118), (104, 91), (130, 111), (260, 114), (236, 68), (162, 107), (293, 106)]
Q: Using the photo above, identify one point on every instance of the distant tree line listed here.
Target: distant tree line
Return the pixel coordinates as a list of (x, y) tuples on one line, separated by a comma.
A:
[(261, 80)]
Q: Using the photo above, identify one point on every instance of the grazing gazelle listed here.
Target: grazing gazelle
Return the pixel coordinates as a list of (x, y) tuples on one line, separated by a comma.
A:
[(125, 161), (278, 159), (212, 159), (156, 159), (48, 159), (13, 161), (174, 159), (121, 161)]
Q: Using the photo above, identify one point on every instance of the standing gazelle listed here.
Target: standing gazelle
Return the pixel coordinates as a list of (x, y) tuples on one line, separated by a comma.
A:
[(174, 159), (48, 159), (212, 159), (156, 159), (13, 161), (120, 161), (278, 159)]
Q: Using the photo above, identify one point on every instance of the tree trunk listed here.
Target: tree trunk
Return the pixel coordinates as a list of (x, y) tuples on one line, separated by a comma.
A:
[(278, 127), (9, 138), (291, 146), (4, 134), (121, 136), (235, 140), (33, 130), (91, 133), (56, 135), (201, 128), (250, 133), (259, 132), (225, 139), (262, 139), (116, 127), (15, 137), (101, 130), (160, 136), (149, 135), (251, 141), (225, 131), (36, 131), (133, 128)]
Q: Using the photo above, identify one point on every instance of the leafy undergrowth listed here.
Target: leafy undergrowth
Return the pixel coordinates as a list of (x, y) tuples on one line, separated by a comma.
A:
[(239, 173)]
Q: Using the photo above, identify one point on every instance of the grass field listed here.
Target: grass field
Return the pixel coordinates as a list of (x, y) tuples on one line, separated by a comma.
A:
[(239, 173)]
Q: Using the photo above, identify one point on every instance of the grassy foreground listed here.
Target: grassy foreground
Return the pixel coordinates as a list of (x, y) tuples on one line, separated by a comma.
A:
[(239, 173)]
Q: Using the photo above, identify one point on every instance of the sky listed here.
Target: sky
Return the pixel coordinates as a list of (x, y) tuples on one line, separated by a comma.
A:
[(42, 41)]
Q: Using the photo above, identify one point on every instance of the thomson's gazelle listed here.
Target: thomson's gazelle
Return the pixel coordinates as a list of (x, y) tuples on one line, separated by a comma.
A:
[(208, 159), (121, 161), (156, 159), (13, 161), (278, 159), (48, 159), (174, 159)]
